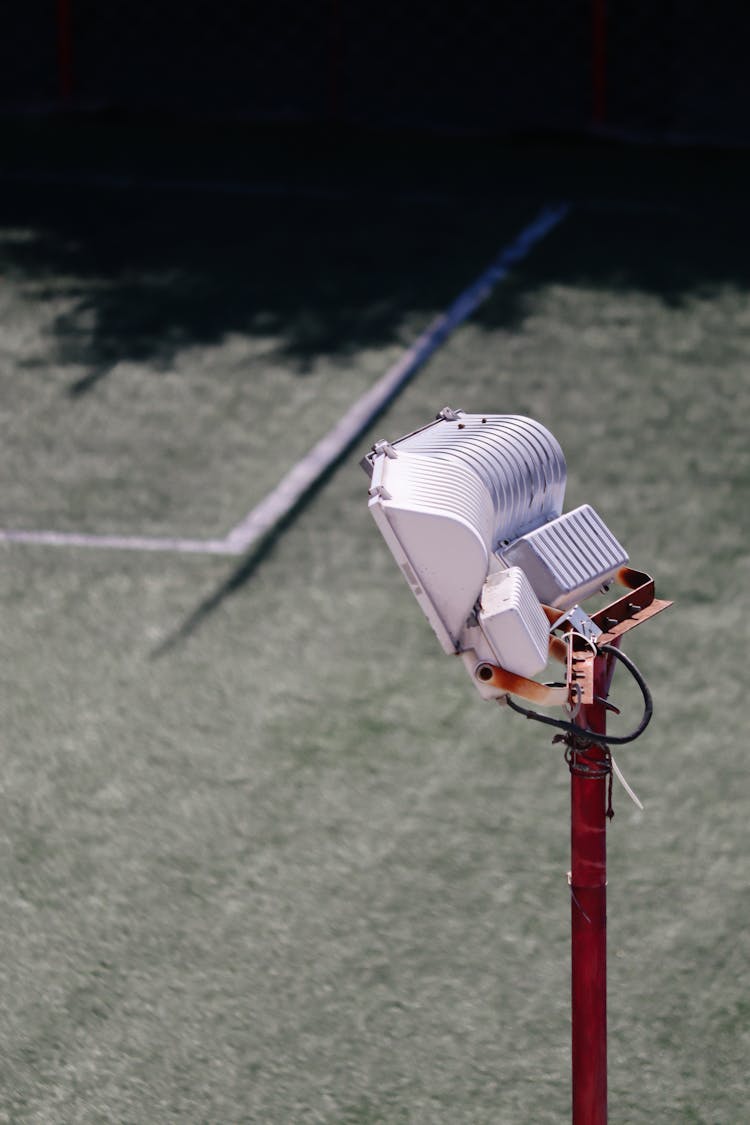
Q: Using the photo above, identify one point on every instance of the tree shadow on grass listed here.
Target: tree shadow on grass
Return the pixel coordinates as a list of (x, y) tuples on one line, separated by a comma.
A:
[(672, 253), (144, 274)]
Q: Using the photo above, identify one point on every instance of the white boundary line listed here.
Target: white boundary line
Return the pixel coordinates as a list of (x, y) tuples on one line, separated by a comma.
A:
[(120, 542), (325, 453)]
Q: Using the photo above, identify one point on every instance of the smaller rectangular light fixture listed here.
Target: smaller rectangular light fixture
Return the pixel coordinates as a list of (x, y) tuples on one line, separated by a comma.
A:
[(513, 622), (568, 559)]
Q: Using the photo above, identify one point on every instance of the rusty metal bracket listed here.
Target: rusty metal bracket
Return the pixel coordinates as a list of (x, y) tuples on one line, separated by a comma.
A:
[(578, 657), (632, 609), (492, 675), (580, 669)]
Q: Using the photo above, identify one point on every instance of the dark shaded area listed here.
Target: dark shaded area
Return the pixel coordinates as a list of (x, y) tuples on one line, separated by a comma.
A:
[(667, 70), (678, 71), (151, 274), (674, 253), (480, 67), (154, 259), (164, 238)]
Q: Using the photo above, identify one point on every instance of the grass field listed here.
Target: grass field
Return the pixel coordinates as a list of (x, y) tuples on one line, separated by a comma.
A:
[(266, 857)]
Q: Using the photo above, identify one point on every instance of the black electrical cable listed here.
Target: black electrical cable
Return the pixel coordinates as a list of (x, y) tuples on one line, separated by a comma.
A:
[(593, 736)]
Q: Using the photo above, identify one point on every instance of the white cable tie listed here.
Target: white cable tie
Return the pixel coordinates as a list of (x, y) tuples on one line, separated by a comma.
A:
[(620, 777), (571, 633)]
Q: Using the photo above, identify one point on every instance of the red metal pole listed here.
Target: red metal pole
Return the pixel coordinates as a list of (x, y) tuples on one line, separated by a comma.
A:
[(589, 782), (65, 49), (335, 58), (598, 61)]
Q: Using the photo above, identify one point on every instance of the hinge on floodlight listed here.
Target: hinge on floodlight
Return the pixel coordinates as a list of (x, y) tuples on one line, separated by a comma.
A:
[(386, 448), (381, 491), (379, 449), (447, 414), (377, 488)]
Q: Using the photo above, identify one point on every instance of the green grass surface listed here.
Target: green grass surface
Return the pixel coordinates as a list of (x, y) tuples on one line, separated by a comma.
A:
[(289, 868)]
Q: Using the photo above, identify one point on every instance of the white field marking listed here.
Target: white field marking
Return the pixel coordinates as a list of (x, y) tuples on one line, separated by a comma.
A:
[(325, 453), (120, 542)]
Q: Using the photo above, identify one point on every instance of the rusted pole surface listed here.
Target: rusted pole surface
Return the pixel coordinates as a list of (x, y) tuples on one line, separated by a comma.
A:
[(589, 777)]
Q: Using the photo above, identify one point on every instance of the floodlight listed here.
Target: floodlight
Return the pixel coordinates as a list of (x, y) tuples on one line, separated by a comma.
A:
[(471, 508)]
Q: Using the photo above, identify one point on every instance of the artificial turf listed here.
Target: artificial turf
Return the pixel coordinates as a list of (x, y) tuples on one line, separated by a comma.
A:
[(283, 866)]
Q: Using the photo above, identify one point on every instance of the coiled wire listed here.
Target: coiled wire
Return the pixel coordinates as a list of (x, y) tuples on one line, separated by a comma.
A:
[(593, 736)]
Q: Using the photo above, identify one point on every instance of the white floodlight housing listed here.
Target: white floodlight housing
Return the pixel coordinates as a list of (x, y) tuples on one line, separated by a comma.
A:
[(471, 508)]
